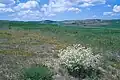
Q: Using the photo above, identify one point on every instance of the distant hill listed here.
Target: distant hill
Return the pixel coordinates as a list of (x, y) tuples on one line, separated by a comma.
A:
[(48, 22), (78, 23), (92, 23)]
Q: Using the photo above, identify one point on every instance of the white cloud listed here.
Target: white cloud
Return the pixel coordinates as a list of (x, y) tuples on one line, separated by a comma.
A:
[(33, 10), (54, 6), (4, 10), (115, 12), (86, 5), (116, 8), (6, 6), (27, 5), (109, 5), (7, 2), (74, 9), (50, 15), (57, 6), (94, 16), (29, 10), (2, 5), (27, 15), (94, 1), (109, 13)]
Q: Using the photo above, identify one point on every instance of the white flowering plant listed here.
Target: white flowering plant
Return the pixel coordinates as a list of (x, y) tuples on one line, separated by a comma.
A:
[(80, 61)]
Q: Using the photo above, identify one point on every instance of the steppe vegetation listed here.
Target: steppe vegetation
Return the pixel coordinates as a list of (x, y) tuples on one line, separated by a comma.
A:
[(35, 51)]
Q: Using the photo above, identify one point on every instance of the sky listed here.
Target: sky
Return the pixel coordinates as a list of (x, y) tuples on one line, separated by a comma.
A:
[(36, 10)]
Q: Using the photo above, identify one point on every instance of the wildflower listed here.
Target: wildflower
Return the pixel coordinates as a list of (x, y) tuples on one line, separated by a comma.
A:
[(76, 57)]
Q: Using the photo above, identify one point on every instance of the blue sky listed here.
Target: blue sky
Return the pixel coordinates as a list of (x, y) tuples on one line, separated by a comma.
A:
[(35, 10)]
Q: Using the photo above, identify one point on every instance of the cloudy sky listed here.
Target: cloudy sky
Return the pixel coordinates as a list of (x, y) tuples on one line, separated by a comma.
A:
[(59, 9)]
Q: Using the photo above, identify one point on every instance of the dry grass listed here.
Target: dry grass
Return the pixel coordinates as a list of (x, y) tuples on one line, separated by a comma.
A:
[(16, 52)]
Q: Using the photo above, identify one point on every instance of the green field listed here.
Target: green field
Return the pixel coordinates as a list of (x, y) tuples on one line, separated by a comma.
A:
[(107, 38)]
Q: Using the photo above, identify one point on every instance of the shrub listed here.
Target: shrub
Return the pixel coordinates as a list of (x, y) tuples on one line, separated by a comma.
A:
[(80, 61), (37, 73)]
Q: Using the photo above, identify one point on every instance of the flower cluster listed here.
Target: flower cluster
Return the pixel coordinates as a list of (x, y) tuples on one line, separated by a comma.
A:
[(79, 55)]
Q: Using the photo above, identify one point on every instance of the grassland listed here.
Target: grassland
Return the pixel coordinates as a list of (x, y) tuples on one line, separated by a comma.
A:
[(27, 41), (107, 38)]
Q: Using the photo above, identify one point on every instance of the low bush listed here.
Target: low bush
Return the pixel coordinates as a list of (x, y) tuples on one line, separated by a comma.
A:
[(37, 73), (80, 61)]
